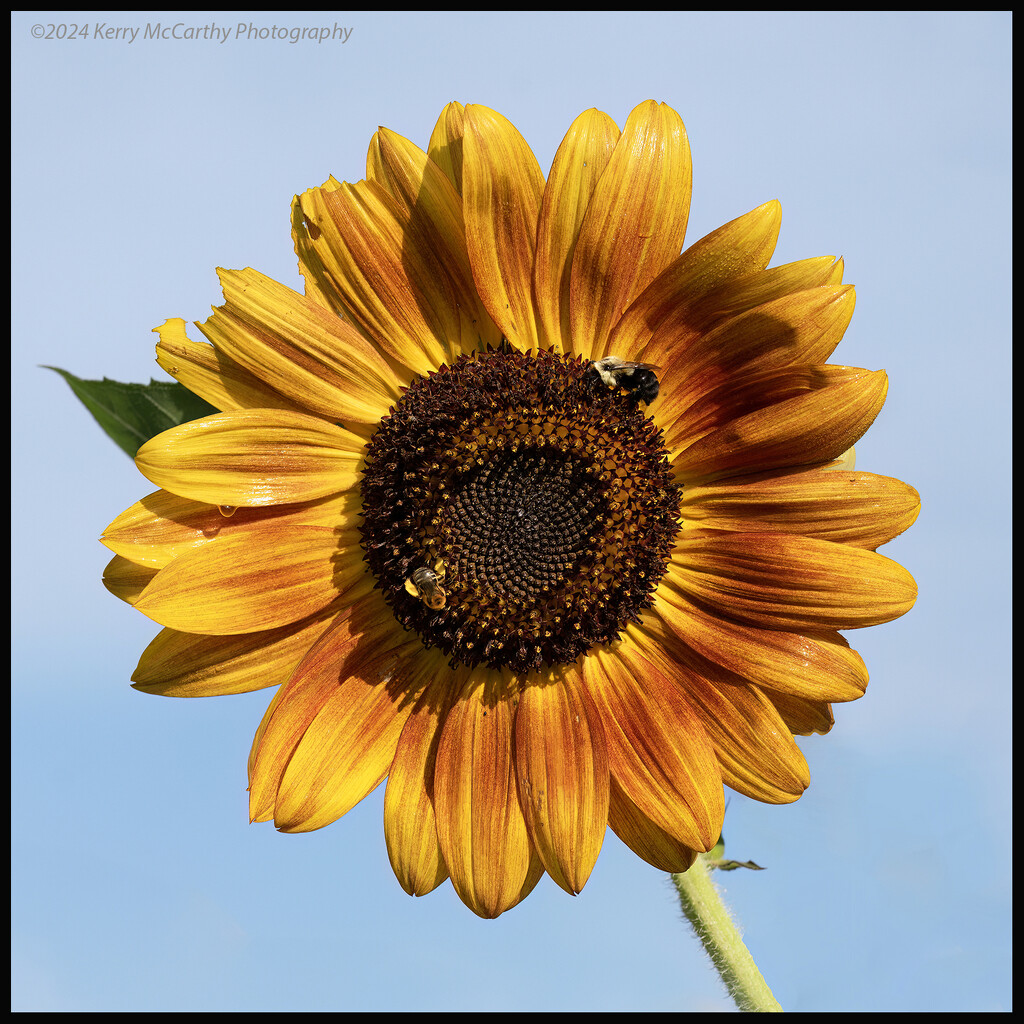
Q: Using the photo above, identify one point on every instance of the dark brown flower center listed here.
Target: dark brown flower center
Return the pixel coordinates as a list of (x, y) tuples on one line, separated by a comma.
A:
[(517, 510)]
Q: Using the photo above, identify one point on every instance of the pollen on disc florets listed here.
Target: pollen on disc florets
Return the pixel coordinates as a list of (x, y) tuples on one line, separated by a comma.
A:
[(539, 501)]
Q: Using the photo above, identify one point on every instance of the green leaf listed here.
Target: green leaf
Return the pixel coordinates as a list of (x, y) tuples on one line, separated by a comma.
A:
[(715, 859), (131, 414), (732, 865)]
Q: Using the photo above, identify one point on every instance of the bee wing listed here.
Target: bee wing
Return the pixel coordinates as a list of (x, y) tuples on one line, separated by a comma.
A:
[(626, 364)]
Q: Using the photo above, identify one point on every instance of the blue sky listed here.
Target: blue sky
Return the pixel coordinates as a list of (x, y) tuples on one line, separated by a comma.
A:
[(139, 166)]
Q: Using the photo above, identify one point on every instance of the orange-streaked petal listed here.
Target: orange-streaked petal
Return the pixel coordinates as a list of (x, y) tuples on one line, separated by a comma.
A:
[(245, 583), (162, 526), (846, 463), (647, 840), (803, 717), (410, 828), (534, 873), (385, 275), (822, 411), (792, 583), (562, 773), (739, 248), (211, 374), (577, 167), (127, 580), (347, 750), (318, 284), (422, 306), (755, 750), (861, 509), (180, 664), (634, 224), (688, 319), (346, 704), (480, 825), (436, 217), (657, 751), (445, 147), (253, 457), (741, 294), (819, 667), (301, 349), (748, 393), (802, 328), (502, 187)]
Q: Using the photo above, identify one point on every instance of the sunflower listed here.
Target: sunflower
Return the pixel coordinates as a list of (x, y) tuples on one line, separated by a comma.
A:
[(521, 507)]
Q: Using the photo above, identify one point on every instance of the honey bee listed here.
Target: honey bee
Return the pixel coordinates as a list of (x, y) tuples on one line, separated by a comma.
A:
[(425, 584), (637, 379)]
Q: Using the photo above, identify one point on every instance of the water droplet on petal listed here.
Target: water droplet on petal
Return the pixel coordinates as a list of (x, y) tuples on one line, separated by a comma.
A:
[(227, 510)]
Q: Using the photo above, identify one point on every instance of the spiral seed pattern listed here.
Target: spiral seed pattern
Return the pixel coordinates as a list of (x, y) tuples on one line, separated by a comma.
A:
[(546, 495)]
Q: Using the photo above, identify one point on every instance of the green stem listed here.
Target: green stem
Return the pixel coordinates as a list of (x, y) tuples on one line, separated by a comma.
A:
[(705, 910)]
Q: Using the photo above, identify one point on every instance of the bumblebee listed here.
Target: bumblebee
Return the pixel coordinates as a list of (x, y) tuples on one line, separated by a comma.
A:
[(425, 584), (637, 379)]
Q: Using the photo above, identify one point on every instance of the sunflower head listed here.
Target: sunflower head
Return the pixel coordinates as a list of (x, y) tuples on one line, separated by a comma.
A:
[(547, 497), (521, 505)]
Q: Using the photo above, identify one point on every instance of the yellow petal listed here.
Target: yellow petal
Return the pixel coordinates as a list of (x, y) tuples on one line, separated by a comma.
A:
[(803, 716), (647, 840), (744, 393), (739, 248), (329, 736), (736, 249), (250, 582), (155, 530), (755, 750), (410, 828), (634, 224), (578, 165), (162, 526), (502, 188), (303, 351), (253, 457), (127, 580), (860, 509), (437, 227), (798, 329), (686, 318), (657, 751), (792, 583), (347, 750), (824, 410), (318, 284), (562, 774), (479, 822), (819, 667), (363, 615), (386, 280), (534, 873), (445, 147), (212, 375), (740, 294), (180, 664), (847, 463)]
